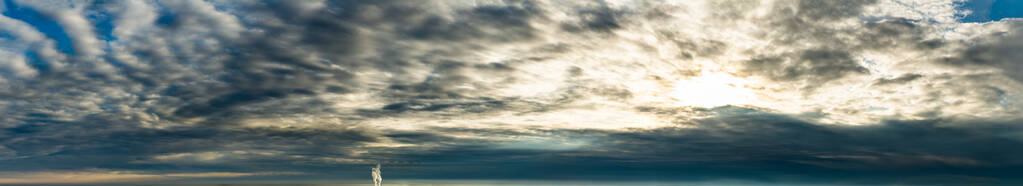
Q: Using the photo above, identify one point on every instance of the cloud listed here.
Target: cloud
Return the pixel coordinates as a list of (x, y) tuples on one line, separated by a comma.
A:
[(993, 51), (694, 90), (738, 143), (905, 78)]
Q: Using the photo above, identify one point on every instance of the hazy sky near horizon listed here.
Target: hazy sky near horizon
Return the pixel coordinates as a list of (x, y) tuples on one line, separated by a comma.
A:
[(753, 91)]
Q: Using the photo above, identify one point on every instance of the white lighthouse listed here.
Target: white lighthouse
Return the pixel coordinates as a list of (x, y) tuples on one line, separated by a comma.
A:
[(377, 180)]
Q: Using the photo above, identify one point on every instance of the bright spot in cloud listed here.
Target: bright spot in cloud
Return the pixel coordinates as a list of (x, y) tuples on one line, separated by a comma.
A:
[(712, 89)]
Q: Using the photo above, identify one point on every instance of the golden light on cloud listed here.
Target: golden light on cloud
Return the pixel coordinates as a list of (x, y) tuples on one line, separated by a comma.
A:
[(76, 177), (712, 89)]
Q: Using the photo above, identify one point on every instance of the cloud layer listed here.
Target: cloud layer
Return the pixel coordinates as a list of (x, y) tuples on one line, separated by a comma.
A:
[(784, 91)]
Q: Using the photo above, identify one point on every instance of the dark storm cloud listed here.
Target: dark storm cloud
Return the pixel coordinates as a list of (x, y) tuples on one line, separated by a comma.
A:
[(817, 65), (832, 51), (439, 109), (482, 23), (601, 19), (824, 10), (901, 79), (997, 50), (747, 141), (109, 144), (806, 20), (739, 143)]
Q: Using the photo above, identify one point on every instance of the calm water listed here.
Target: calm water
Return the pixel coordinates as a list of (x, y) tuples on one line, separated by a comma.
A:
[(485, 183)]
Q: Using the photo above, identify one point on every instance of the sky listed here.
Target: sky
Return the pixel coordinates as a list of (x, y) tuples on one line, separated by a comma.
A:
[(521, 92)]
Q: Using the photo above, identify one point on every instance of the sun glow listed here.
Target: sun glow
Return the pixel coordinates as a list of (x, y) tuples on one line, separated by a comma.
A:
[(712, 89)]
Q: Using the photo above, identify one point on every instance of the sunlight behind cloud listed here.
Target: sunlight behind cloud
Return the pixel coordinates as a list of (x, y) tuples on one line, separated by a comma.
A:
[(711, 90)]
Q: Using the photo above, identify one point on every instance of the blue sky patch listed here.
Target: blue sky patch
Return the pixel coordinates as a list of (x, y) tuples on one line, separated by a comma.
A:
[(992, 10), (41, 22)]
